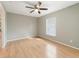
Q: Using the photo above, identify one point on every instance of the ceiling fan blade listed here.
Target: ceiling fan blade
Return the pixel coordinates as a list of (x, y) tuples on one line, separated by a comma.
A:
[(29, 7), (32, 11), (43, 8), (39, 12), (39, 3)]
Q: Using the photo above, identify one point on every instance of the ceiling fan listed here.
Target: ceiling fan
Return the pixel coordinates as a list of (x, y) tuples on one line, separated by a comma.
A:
[(36, 7)]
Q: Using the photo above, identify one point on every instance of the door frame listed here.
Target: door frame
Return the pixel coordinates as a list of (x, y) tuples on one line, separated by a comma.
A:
[(3, 25)]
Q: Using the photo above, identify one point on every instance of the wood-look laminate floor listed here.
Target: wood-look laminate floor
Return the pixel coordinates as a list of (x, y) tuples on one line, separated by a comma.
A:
[(37, 48)]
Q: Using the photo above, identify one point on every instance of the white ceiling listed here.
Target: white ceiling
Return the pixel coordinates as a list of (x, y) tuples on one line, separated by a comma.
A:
[(18, 7)]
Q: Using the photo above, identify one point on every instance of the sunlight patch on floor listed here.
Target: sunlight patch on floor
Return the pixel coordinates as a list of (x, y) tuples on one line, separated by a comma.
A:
[(51, 51)]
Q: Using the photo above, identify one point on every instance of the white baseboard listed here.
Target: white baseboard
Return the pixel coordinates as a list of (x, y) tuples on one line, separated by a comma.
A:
[(10, 40), (61, 43), (42, 37)]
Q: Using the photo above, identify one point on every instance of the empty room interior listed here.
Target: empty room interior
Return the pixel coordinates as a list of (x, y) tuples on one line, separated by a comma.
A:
[(39, 29)]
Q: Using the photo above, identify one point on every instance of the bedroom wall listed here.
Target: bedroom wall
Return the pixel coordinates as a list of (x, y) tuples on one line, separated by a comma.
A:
[(20, 26), (67, 26)]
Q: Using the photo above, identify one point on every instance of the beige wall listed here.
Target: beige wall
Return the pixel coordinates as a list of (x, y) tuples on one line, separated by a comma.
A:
[(20, 26), (67, 26)]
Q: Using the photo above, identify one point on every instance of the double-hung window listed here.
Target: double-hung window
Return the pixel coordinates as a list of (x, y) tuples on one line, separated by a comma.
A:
[(51, 26)]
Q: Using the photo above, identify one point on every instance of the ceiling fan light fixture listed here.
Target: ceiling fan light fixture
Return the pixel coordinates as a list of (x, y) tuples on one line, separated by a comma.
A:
[(38, 6), (36, 10)]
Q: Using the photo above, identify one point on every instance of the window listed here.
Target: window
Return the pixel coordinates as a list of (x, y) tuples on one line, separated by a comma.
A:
[(51, 26)]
